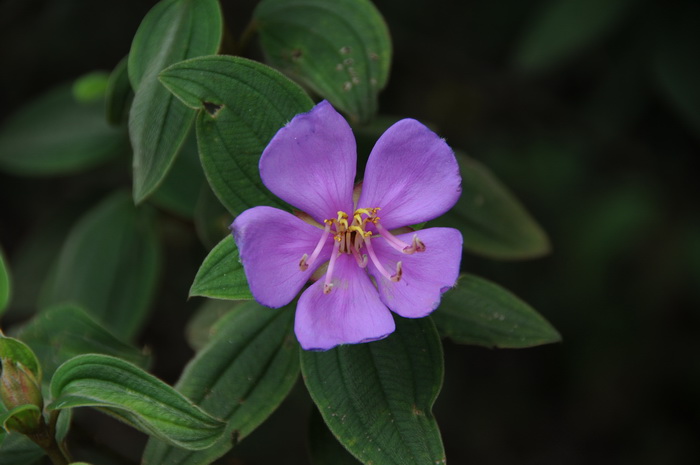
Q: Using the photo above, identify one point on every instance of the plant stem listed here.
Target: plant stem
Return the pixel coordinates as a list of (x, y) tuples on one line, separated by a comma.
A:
[(45, 437)]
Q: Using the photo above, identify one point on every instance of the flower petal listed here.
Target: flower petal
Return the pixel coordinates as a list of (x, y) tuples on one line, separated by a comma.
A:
[(349, 314), (411, 175), (310, 163), (425, 275), (271, 243)]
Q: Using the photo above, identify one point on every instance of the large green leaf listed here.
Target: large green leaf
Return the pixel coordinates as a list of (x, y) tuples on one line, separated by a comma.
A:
[(339, 49), (221, 275), (562, 28), (57, 134), (158, 123), (109, 265), (243, 104), (377, 397), (65, 331), (482, 313), (242, 375), (126, 392), (493, 222), (4, 284)]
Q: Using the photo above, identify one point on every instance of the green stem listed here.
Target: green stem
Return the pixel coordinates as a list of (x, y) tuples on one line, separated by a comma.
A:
[(45, 437)]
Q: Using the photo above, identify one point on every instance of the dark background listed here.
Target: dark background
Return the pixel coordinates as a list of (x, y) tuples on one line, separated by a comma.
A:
[(592, 119)]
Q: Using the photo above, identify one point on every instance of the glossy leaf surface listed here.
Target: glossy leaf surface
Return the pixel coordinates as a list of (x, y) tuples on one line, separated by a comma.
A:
[(243, 104), (158, 123), (482, 313), (135, 397), (377, 397), (492, 221), (108, 265), (221, 275), (341, 49), (241, 375)]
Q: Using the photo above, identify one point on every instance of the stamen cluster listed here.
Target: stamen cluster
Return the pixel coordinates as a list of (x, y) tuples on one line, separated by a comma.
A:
[(351, 238)]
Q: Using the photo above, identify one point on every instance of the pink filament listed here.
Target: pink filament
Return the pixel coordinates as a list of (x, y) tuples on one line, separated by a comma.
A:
[(304, 263), (327, 284)]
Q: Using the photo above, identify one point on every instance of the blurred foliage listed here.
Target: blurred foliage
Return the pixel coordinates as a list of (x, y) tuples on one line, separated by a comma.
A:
[(598, 135)]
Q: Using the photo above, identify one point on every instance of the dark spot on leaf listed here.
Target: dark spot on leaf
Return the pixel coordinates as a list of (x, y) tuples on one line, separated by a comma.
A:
[(296, 54), (235, 436), (212, 108)]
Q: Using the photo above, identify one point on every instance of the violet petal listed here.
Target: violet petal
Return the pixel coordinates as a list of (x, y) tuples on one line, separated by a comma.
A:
[(411, 175), (349, 314), (271, 243), (310, 163), (425, 275)]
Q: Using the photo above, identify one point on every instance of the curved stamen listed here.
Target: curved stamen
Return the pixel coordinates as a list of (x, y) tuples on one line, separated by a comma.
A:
[(416, 246), (327, 284), (304, 263), (373, 256), (361, 260)]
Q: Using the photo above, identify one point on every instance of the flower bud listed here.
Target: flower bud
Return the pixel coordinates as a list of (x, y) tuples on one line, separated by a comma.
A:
[(18, 387)]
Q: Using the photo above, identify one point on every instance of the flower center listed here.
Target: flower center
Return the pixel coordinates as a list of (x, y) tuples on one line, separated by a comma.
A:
[(353, 237)]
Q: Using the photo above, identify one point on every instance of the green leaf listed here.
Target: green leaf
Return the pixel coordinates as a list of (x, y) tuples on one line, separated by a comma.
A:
[(181, 188), (482, 313), (242, 375), (324, 449), (341, 49), (377, 397), (7, 417), (221, 275), (109, 265), (135, 397), (158, 124), (118, 94), (4, 284), (65, 331), (492, 221), (55, 134), (562, 28), (17, 352), (243, 104)]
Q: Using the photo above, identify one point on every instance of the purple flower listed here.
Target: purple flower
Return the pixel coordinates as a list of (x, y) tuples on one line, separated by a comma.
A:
[(411, 177)]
